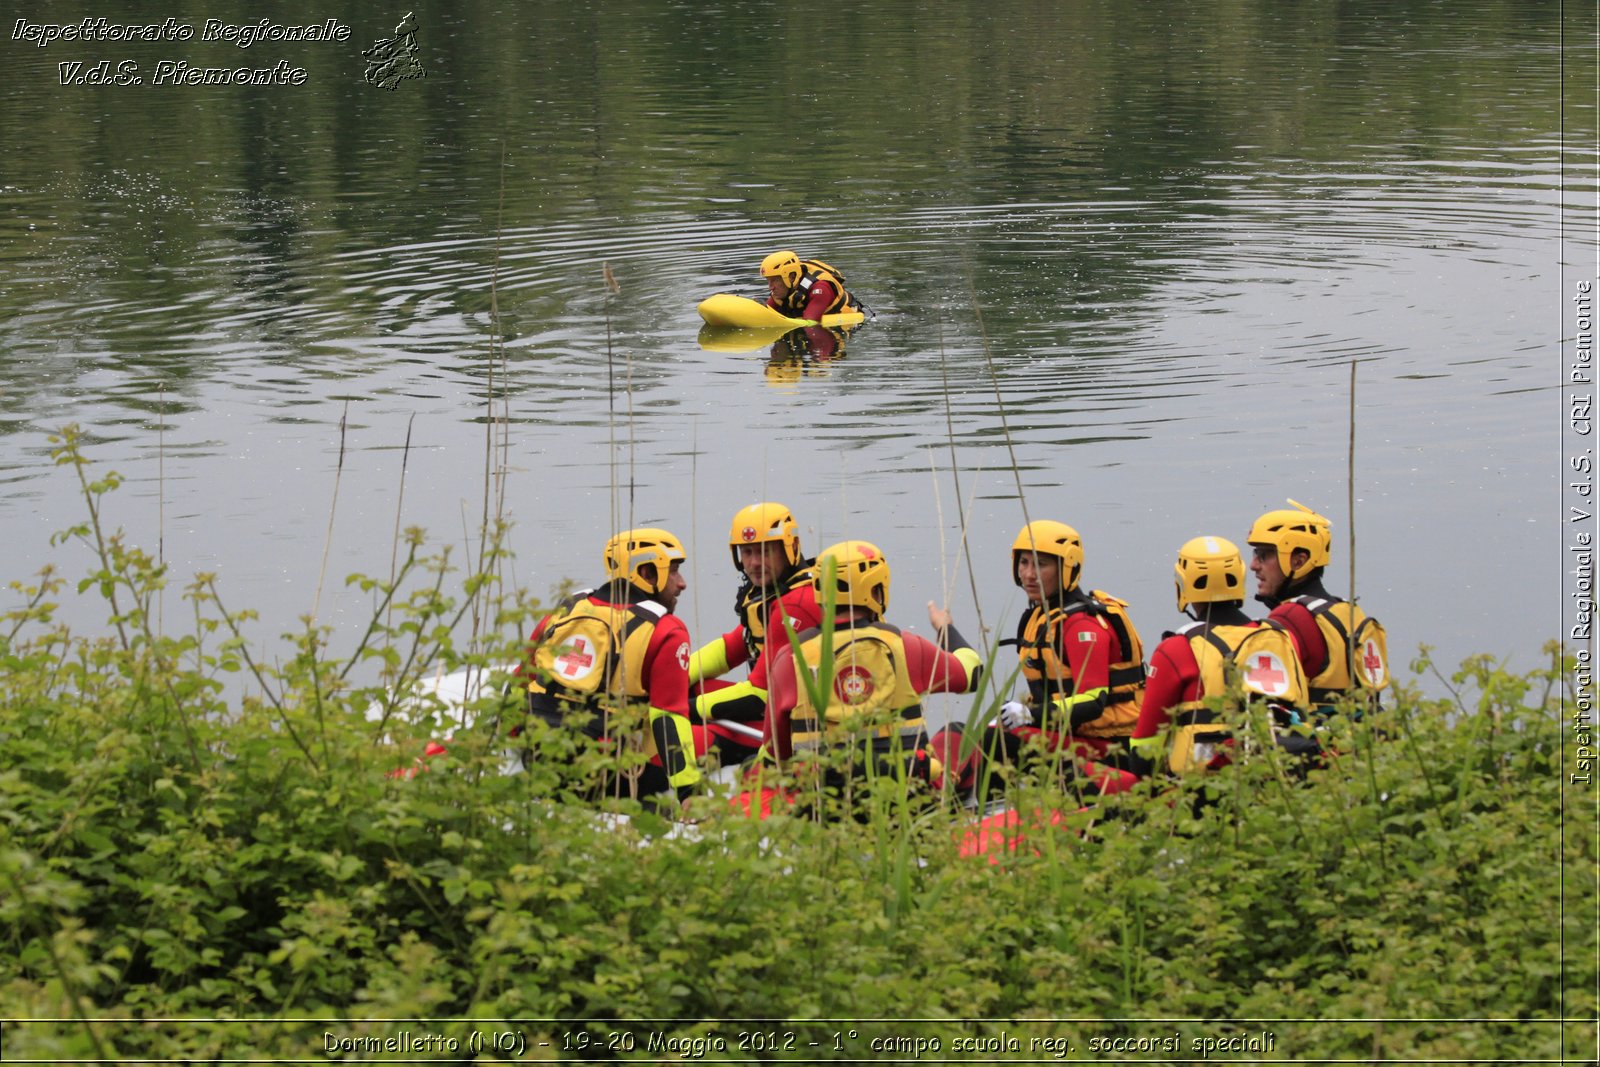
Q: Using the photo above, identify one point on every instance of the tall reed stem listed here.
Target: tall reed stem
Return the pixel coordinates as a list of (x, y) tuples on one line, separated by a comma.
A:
[(333, 507), (399, 508), (1350, 482), (955, 474), (161, 501)]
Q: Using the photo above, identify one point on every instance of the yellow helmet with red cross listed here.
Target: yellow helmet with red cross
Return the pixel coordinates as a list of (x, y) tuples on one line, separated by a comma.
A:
[(762, 523)]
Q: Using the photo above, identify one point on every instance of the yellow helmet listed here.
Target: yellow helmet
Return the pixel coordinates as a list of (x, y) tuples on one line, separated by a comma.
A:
[(785, 265), (1209, 571), (1045, 537), (631, 550), (1288, 530), (761, 523), (861, 576)]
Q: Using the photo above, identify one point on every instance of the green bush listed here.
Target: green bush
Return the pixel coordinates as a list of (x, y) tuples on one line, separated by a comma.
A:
[(193, 830)]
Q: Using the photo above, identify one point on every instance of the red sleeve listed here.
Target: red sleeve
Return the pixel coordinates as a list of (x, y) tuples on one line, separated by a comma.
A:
[(781, 698), (1173, 678), (932, 669), (1085, 647), (733, 646), (666, 666), (799, 608), (822, 294), (1309, 644), (823, 342)]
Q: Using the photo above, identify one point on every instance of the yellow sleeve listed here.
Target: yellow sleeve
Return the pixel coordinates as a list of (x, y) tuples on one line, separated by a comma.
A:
[(973, 663), (675, 742), (743, 702), (709, 661)]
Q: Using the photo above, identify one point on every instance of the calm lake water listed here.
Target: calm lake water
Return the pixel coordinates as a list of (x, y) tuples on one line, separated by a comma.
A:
[(1123, 257)]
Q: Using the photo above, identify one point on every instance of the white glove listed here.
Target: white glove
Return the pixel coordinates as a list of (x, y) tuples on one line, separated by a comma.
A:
[(1015, 714)]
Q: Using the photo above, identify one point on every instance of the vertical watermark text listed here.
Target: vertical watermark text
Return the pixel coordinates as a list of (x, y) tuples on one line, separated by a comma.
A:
[(1578, 439)]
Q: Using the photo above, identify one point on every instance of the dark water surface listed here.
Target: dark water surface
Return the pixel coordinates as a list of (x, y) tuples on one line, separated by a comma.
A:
[(1123, 257)]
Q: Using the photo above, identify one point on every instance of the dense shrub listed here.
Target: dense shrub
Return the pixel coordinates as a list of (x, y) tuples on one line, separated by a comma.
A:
[(189, 830)]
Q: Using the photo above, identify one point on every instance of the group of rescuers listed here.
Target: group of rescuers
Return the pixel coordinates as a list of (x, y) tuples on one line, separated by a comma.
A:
[(1091, 706)]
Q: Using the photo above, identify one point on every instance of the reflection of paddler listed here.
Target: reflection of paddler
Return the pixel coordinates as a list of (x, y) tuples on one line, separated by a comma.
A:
[(808, 343), (783, 372), (808, 351), (822, 342), (805, 288)]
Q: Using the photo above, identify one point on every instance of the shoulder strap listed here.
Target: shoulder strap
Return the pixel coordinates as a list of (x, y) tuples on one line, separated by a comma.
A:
[(1322, 608), (1120, 624), (812, 264), (642, 613), (1022, 629), (1213, 639), (743, 596), (803, 574)]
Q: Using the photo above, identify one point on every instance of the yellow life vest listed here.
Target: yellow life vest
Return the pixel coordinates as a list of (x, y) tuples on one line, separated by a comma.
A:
[(755, 602), (591, 656), (1265, 666), (813, 271), (1358, 650), (870, 693), (590, 651), (1048, 678)]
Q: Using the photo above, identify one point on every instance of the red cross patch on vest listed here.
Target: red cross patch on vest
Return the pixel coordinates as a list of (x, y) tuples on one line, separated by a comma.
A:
[(1265, 673)]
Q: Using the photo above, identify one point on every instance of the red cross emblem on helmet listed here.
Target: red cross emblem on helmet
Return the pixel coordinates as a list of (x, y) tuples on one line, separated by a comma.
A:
[(748, 533), (867, 553)]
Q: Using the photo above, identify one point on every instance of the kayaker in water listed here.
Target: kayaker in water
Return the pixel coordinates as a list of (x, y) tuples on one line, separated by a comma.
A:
[(1343, 651), (775, 598), (1192, 663), (805, 288), (1081, 659), (616, 645), (872, 698)]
